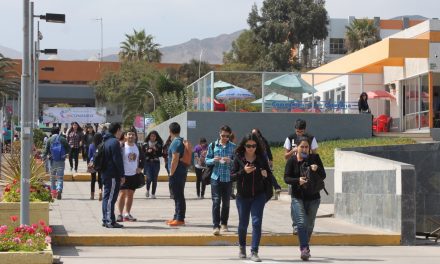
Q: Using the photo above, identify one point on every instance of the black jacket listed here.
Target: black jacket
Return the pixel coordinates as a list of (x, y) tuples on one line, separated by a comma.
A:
[(114, 164), (154, 155), (249, 185), (292, 175)]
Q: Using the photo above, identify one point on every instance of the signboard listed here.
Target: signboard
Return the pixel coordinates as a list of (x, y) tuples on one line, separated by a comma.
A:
[(82, 115), (141, 123)]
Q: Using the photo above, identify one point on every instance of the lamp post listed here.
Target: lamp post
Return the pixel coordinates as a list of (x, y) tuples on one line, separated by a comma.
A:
[(102, 38)]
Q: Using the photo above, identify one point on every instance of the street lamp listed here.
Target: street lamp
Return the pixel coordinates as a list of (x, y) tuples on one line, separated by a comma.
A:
[(154, 100)]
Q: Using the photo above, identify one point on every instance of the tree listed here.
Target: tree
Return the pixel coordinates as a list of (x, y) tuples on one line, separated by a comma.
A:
[(361, 33), (136, 103), (140, 47), (285, 24), (189, 72), (9, 82), (246, 49)]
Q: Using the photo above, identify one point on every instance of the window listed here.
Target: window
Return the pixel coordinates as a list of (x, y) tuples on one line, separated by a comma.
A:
[(337, 46)]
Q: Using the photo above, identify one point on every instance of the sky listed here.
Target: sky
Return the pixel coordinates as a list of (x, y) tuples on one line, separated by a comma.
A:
[(171, 22)]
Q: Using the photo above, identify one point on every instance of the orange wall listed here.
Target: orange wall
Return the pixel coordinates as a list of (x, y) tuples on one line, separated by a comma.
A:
[(397, 24), (82, 71)]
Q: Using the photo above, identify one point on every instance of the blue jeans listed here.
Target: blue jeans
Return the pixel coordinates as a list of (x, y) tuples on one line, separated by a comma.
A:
[(57, 175), (254, 207), (111, 191), (304, 212), (151, 169), (221, 195), (177, 182)]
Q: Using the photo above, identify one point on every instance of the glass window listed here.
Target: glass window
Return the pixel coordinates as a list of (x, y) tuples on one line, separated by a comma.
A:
[(337, 46)]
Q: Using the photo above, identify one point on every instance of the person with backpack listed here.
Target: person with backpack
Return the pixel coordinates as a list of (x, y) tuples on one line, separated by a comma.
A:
[(97, 140), (74, 138), (305, 173), (152, 150), (250, 170), (112, 168), (291, 149), (178, 173), (56, 151), (200, 152), (221, 156)]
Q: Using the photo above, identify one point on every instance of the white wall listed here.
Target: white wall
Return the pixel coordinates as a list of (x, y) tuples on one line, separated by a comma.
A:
[(434, 57), (414, 67)]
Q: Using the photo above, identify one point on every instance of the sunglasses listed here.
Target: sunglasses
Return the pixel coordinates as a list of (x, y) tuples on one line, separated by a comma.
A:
[(250, 145), (225, 136)]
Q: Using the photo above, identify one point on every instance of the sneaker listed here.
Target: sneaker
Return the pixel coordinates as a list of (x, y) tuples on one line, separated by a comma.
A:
[(202, 197), (216, 231), (147, 194), (295, 230), (59, 195), (114, 225), (92, 196), (119, 218), (255, 257), (233, 196), (129, 218), (177, 223), (305, 254), (242, 252), (169, 221), (224, 228), (100, 196), (71, 169), (153, 196), (76, 171)]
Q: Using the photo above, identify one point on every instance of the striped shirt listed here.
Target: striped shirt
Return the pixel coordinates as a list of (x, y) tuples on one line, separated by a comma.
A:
[(222, 171)]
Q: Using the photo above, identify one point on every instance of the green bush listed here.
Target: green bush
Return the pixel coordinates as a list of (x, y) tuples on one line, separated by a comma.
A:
[(327, 148), (39, 136)]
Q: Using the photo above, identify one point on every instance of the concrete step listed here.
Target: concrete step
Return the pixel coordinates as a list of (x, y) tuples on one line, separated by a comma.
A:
[(204, 239)]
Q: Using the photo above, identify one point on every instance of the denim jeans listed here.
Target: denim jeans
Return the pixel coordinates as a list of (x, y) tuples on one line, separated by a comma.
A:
[(73, 156), (151, 169), (254, 207), (57, 175), (221, 195), (304, 212), (177, 182)]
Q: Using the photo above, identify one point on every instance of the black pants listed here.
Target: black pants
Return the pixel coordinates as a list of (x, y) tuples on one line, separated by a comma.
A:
[(199, 183), (178, 185), (92, 186), (73, 155), (111, 191)]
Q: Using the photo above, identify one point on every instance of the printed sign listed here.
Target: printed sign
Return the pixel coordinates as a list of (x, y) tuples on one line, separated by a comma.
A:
[(82, 115)]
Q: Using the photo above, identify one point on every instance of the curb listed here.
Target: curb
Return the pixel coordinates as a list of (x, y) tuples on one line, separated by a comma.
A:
[(225, 240), (84, 177)]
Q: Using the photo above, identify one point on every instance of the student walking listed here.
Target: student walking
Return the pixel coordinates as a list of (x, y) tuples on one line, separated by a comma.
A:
[(56, 151), (152, 149), (221, 157), (97, 140), (87, 141), (178, 173), (250, 168), (74, 138), (133, 165), (112, 174), (165, 148), (304, 203), (200, 152)]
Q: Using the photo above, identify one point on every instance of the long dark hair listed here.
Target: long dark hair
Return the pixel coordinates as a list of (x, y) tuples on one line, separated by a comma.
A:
[(306, 139), (97, 139), (78, 130), (260, 136), (362, 99), (241, 149), (158, 138)]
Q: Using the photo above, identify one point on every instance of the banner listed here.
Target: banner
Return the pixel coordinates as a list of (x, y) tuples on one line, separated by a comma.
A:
[(141, 123), (82, 115)]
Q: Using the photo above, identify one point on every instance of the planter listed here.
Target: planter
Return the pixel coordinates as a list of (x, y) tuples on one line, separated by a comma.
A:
[(38, 211), (38, 257)]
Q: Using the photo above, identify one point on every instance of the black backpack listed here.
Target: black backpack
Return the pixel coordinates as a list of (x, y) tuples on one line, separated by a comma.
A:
[(315, 183), (99, 158), (294, 137)]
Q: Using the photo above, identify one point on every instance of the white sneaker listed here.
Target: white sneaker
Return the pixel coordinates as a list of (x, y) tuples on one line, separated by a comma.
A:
[(153, 196), (147, 194), (216, 231), (224, 228)]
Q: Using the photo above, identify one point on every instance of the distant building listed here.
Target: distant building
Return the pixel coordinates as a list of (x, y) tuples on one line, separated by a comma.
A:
[(333, 47)]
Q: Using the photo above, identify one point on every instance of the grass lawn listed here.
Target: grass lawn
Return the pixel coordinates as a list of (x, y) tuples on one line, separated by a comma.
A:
[(326, 151)]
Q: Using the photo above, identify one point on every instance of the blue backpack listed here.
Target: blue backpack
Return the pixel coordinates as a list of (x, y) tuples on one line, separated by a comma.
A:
[(57, 150)]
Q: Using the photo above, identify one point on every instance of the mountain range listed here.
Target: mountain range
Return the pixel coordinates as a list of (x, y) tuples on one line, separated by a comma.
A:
[(212, 50)]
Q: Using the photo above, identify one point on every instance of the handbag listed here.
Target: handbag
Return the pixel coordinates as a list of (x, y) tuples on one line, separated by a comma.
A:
[(140, 180), (91, 167), (207, 172)]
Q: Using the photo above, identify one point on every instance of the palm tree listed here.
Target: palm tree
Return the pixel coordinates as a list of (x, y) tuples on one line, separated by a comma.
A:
[(360, 34), (136, 102), (9, 83), (140, 47)]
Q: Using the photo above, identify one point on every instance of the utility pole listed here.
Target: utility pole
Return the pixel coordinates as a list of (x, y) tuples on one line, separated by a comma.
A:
[(102, 38), (26, 120)]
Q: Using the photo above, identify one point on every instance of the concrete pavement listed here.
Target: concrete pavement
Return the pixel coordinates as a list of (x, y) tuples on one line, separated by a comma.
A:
[(219, 254), (76, 220)]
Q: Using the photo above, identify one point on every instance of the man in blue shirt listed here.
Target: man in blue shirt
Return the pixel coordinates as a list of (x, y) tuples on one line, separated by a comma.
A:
[(178, 174), (221, 185)]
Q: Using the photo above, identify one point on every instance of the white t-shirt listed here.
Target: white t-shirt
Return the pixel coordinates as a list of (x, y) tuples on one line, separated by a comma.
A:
[(288, 144), (131, 159)]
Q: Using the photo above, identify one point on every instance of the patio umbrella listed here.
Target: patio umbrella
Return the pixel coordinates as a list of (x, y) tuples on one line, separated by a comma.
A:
[(290, 82), (380, 94), (272, 97), (235, 93), (222, 84)]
